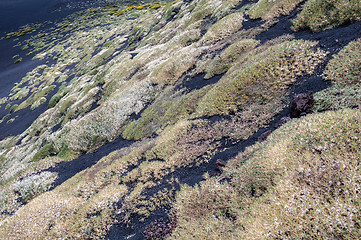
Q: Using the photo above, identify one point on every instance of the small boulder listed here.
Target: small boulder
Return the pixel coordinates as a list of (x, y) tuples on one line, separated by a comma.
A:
[(301, 104), (264, 136), (282, 121), (220, 165)]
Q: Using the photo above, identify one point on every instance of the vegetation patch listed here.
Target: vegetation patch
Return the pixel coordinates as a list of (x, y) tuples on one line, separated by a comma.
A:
[(117, 12), (18, 60), (224, 27), (337, 97), (261, 77), (169, 71), (302, 182), (267, 9), (344, 70), (137, 73), (37, 98), (222, 62), (319, 15), (45, 151)]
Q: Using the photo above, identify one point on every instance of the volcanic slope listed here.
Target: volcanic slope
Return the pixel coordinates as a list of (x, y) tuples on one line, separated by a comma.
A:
[(125, 127)]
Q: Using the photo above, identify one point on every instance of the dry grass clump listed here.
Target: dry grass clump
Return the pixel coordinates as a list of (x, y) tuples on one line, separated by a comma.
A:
[(200, 208), (268, 9), (182, 143), (93, 219), (224, 28), (302, 183), (83, 207), (58, 214), (34, 219), (319, 15), (261, 77), (34, 185)]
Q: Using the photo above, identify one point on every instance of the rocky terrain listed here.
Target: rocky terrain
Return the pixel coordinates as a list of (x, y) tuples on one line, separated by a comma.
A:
[(201, 119)]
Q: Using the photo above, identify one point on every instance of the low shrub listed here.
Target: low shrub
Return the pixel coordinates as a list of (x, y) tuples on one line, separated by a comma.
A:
[(224, 28), (221, 63), (34, 185)]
